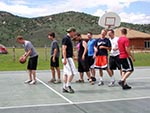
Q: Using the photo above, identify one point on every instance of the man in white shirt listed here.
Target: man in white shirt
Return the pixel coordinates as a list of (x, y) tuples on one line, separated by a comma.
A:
[(114, 61)]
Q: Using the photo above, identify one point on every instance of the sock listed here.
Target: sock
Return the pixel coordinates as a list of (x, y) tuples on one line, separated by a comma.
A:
[(64, 85), (101, 78), (112, 78), (68, 84)]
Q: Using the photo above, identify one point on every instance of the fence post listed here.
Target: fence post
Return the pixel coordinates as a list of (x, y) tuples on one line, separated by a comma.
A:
[(14, 54), (132, 50), (45, 51)]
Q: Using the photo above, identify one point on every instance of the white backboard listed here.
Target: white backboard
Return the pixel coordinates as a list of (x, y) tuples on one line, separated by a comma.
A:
[(109, 20)]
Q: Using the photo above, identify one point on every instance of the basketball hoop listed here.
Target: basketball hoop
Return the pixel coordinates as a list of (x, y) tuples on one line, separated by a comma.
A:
[(109, 20)]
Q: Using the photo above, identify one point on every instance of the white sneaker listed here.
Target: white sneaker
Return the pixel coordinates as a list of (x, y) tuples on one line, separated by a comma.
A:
[(101, 83), (27, 81), (32, 82), (57, 81), (111, 84)]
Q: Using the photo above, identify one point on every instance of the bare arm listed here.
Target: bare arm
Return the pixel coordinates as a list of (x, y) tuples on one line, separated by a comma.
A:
[(104, 47), (84, 44), (64, 47), (27, 53), (95, 51), (129, 53), (54, 54)]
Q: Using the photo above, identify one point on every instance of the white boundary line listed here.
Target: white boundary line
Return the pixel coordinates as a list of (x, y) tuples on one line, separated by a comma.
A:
[(112, 100), (139, 78), (38, 105), (55, 91), (85, 102)]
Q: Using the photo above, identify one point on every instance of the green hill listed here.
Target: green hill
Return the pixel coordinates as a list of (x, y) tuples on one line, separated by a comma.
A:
[(36, 29)]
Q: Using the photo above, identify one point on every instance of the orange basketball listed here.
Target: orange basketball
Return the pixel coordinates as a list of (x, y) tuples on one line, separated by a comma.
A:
[(22, 60)]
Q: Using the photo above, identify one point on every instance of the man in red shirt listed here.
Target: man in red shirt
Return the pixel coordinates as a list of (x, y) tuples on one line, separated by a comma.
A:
[(126, 59)]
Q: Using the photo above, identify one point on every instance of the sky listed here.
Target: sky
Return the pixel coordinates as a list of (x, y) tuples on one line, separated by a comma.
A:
[(131, 11)]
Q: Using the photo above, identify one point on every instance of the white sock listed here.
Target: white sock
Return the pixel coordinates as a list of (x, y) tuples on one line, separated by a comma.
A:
[(64, 85), (101, 78), (112, 78), (68, 84)]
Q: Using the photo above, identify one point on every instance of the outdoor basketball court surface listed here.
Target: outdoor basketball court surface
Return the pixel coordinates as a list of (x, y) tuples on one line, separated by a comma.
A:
[(44, 97)]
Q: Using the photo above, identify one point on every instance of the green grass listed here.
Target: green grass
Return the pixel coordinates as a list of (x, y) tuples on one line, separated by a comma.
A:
[(8, 64)]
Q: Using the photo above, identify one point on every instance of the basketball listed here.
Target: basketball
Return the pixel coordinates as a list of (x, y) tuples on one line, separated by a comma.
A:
[(22, 60)]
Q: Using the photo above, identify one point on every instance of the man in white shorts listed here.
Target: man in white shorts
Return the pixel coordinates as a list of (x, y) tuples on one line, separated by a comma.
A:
[(69, 69)]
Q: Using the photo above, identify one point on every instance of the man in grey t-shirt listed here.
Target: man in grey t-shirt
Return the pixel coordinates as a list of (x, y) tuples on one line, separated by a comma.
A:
[(33, 59), (54, 58)]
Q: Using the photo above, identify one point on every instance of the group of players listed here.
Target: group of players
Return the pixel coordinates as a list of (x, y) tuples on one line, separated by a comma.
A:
[(91, 55)]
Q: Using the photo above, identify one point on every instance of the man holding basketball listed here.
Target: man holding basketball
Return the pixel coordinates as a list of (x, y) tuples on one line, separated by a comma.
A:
[(32, 62)]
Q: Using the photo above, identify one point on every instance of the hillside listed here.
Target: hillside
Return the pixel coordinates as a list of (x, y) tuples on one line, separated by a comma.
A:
[(36, 29)]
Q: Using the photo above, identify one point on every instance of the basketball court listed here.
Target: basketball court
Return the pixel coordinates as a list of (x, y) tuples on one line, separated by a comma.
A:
[(17, 97)]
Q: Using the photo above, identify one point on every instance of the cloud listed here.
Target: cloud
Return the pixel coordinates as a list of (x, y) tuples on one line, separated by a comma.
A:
[(30, 8), (138, 18)]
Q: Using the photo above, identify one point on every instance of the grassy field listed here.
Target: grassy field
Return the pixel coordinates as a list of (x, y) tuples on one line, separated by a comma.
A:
[(7, 62)]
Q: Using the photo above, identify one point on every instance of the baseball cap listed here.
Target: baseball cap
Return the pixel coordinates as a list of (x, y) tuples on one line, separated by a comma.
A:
[(71, 29)]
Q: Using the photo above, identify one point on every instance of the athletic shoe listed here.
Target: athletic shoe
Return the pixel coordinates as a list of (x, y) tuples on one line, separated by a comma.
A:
[(100, 83), (93, 79), (57, 81), (91, 82), (70, 90), (52, 80), (125, 87), (111, 84), (27, 81), (121, 83), (80, 81), (64, 90), (32, 82)]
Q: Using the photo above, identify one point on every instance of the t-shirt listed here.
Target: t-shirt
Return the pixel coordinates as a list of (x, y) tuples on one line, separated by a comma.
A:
[(69, 50), (91, 44), (114, 44), (27, 46), (102, 42), (54, 45), (123, 42)]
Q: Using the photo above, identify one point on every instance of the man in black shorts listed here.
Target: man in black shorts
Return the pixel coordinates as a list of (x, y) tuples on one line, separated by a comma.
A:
[(83, 65), (114, 61), (32, 62), (54, 60), (90, 44), (126, 59)]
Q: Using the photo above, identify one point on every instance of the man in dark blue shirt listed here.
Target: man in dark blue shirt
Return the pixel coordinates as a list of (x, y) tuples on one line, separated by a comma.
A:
[(102, 46)]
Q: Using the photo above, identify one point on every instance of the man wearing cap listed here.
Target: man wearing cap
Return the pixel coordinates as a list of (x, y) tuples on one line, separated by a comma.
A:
[(69, 69)]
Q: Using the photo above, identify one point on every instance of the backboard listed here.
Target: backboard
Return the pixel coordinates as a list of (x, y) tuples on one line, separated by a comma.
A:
[(109, 20)]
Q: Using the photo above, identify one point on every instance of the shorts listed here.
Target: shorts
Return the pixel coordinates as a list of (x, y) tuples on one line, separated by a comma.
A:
[(114, 62), (32, 63), (83, 65), (91, 61), (69, 68), (101, 62), (54, 64), (126, 64)]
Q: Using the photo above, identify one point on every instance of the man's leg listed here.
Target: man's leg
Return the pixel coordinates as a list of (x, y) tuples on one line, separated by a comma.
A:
[(101, 77)]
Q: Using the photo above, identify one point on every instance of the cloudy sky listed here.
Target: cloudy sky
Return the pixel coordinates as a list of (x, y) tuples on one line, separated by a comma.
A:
[(131, 11)]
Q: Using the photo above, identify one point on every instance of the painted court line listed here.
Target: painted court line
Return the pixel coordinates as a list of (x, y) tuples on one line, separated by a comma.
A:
[(55, 91), (139, 78), (112, 100), (31, 106), (75, 103)]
